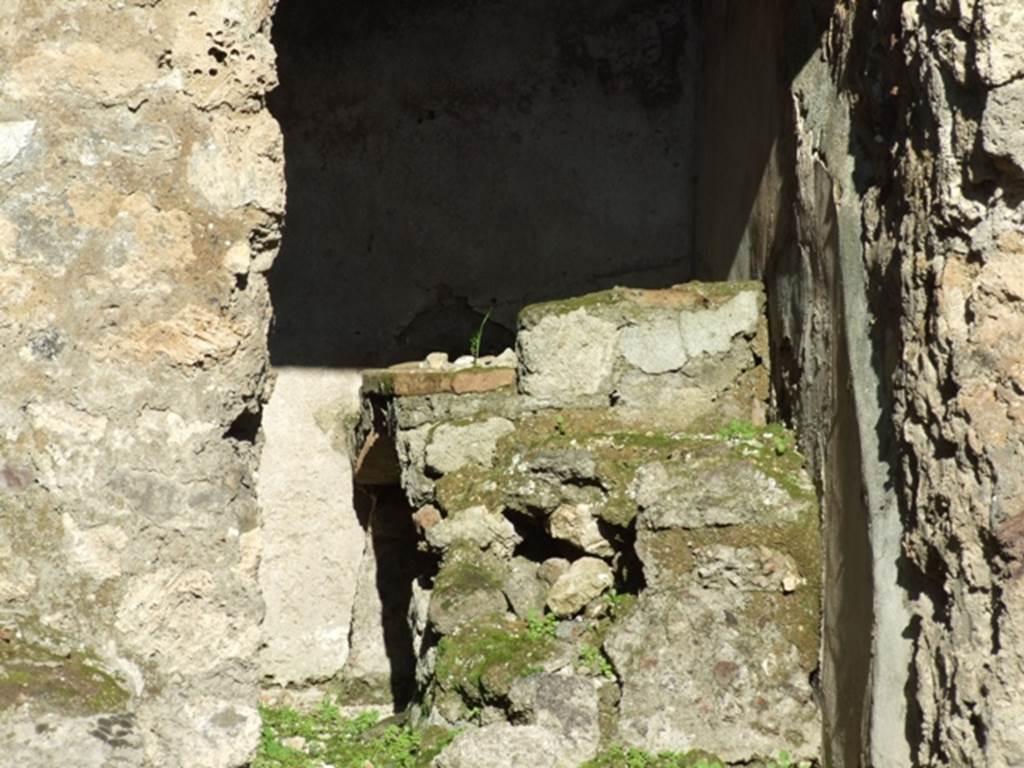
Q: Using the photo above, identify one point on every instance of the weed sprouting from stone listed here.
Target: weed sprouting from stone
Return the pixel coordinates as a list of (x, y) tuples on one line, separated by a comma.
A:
[(539, 627), (595, 662), (477, 338)]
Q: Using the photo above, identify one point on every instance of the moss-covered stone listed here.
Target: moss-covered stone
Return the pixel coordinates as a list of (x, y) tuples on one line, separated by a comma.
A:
[(514, 480), (481, 661), (72, 684), (467, 588), (693, 295)]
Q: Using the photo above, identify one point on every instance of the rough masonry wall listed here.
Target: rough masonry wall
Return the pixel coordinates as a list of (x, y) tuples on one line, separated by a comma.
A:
[(944, 220), (896, 317), (143, 193)]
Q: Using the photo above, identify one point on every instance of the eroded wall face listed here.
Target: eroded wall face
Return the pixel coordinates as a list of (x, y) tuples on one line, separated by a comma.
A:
[(945, 222), (143, 192), (897, 322)]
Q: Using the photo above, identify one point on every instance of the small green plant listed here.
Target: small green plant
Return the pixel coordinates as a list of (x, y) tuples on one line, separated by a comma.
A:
[(617, 602), (538, 627), (325, 736), (738, 429), (781, 442), (594, 661), (560, 426), (618, 756), (784, 761), (772, 436), (477, 337)]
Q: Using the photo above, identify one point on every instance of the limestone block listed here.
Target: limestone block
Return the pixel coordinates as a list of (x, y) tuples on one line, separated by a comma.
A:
[(1001, 45), (655, 347), (577, 524), (478, 527), (426, 517), (525, 591), (564, 703), (94, 551), (585, 580), (552, 569), (565, 357), (236, 165), (647, 351), (452, 446), (667, 343), (699, 670), (506, 744), (99, 741), (14, 137), (313, 541), (758, 568), (172, 617), (213, 733), (709, 490), (411, 446), (82, 70), (468, 587)]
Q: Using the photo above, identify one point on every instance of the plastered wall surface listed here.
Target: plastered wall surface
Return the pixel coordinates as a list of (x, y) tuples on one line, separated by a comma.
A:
[(143, 195)]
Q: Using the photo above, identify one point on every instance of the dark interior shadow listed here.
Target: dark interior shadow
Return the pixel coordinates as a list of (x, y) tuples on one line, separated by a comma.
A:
[(386, 517), (450, 157)]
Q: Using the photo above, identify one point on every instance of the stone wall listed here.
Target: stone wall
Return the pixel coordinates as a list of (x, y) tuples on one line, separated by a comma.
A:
[(615, 548), (863, 158), (142, 202), (887, 226)]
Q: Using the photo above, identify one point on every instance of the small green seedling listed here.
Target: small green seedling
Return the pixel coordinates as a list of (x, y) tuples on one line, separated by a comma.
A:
[(738, 429), (781, 443), (477, 337), (560, 426), (592, 660), (538, 627), (616, 602)]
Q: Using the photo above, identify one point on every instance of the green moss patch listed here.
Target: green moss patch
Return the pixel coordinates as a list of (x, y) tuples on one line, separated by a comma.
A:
[(616, 449), (466, 570), (634, 302), (481, 661), (292, 739), (630, 757), (70, 684), (619, 756)]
